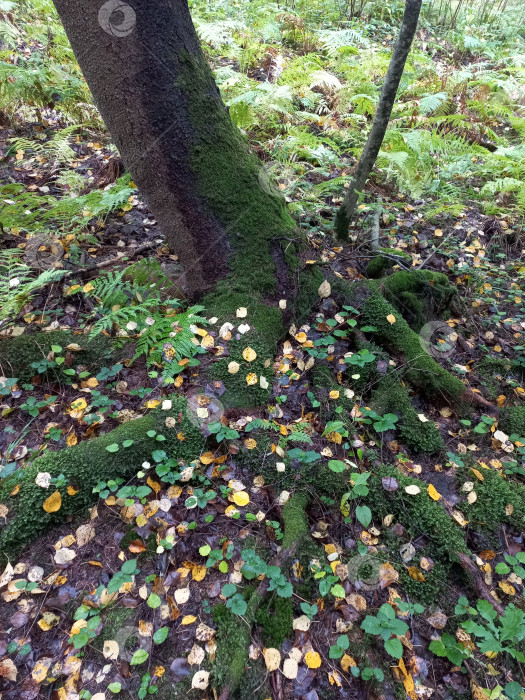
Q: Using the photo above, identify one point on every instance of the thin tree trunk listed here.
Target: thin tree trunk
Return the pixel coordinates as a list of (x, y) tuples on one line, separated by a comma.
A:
[(382, 117), (156, 93)]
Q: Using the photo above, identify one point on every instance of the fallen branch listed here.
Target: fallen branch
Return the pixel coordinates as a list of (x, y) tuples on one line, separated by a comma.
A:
[(128, 253)]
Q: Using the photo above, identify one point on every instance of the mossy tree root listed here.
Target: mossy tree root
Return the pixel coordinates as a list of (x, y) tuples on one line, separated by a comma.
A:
[(83, 466), (295, 524), (17, 353), (374, 299)]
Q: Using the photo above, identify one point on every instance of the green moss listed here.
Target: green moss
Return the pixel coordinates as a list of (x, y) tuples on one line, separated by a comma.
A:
[(428, 591), (419, 294), (252, 217), (392, 397), (17, 354), (295, 522), (417, 513), (380, 264), (513, 420), (494, 495), (233, 641), (84, 466), (276, 619), (238, 391), (423, 371)]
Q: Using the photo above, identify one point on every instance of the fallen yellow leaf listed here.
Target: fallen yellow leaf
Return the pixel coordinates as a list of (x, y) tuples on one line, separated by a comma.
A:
[(53, 502), (312, 659), (434, 495), (188, 620), (241, 498)]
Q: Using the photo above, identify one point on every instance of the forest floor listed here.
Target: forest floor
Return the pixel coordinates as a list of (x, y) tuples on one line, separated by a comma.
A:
[(143, 594)]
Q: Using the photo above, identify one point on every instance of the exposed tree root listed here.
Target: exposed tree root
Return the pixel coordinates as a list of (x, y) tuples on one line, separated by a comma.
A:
[(295, 526), (481, 587), (83, 466)]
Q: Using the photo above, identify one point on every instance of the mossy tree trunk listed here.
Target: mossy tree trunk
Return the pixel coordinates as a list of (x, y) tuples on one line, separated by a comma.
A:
[(157, 96), (382, 117)]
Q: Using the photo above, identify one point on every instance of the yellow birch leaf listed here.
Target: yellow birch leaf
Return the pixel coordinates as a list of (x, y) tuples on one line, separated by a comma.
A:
[(312, 659), (249, 354), (347, 662), (188, 620), (198, 573), (241, 498), (251, 379), (415, 573), (71, 440), (434, 495), (391, 318), (53, 502), (507, 588)]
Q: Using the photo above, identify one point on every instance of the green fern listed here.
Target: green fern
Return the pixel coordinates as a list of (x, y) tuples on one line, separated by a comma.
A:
[(165, 335), (18, 283)]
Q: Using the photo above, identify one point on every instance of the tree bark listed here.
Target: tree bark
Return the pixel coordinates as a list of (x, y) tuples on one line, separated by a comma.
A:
[(382, 117), (157, 96)]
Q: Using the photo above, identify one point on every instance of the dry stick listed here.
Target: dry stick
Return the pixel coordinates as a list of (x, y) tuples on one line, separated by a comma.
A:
[(419, 267), (382, 117), (129, 253)]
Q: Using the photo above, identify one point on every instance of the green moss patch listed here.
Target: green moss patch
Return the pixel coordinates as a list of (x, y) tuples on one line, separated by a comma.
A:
[(84, 465), (17, 354), (392, 397)]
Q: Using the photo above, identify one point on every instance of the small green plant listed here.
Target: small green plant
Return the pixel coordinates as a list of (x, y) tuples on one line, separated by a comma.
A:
[(200, 498), (484, 426), (359, 488), (498, 633), (309, 610), (89, 631), (222, 432), (32, 406), (235, 601), (385, 624), (449, 647), (361, 358), (512, 564), (338, 649), (125, 575)]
